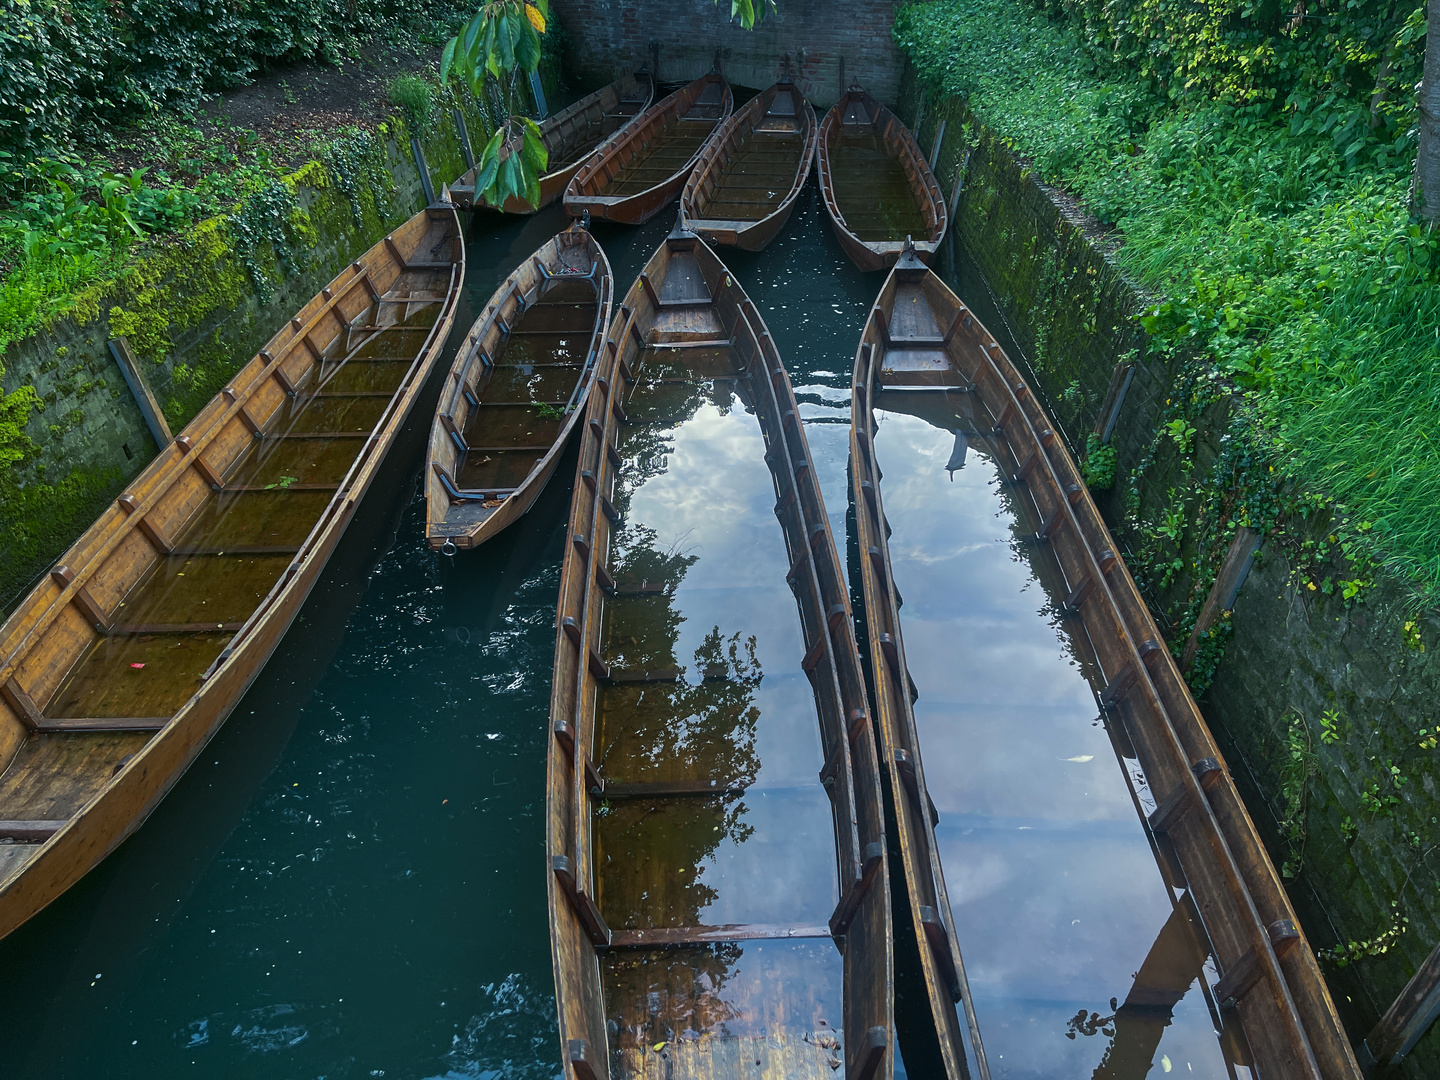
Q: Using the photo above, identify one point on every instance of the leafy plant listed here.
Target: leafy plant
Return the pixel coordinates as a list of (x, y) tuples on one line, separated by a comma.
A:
[(1410, 635), (1098, 468), (546, 411), (1296, 769), (1181, 433), (416, 100), (1347, 952), (1330, 731)]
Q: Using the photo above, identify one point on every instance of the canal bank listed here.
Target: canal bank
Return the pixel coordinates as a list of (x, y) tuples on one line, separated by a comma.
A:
[(1312, 671)]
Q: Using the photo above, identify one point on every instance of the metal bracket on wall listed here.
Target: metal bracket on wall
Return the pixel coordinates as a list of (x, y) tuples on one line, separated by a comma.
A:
[(424, 171), (464, 139), (135, 379)]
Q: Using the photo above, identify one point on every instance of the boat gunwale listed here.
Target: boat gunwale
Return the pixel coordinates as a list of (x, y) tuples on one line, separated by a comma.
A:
[(870, 255), (529, 489), (578, 201), (158, 479), (1247, 878), (569, 782), (761, 231)]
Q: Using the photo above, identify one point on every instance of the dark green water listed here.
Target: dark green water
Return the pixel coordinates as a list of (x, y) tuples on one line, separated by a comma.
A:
[(350, 881)]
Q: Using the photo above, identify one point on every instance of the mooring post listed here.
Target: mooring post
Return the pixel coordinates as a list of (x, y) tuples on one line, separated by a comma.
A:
[(423, 169), (1409, 1016), (939, 142), (135, 379), (1109, 415), (464, 139)]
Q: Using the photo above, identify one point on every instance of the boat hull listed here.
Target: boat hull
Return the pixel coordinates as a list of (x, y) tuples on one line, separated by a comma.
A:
[(455, 519), (919, 216), (779, 111), (921, 338), (684, 309), (40, 637), (607, 113), (707, 99)]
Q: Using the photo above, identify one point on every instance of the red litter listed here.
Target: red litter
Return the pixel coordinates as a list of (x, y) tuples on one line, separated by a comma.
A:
[(137, 665)]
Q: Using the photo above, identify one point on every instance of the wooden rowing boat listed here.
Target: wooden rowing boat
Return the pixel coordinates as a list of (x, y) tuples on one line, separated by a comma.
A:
[(877, 186), (744, 186), (920, 337), (571, 135), (646, 767), (121, 665), (516, 391), (637, 175)]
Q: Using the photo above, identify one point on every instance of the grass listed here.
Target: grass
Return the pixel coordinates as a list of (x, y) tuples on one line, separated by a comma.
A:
[(1279, 236)]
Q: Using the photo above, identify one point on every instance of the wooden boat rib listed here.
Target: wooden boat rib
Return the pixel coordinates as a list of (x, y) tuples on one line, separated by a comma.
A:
[(686, 306), (494, 444), (122, 664), (744, 186), (634, 177), (572, 135), (921, 336), (876, 184)]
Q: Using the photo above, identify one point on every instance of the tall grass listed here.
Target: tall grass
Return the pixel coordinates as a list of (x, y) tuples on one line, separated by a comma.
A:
[(1281, 241)]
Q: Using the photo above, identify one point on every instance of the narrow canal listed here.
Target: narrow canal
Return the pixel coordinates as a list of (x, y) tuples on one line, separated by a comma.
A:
[(350, 881)]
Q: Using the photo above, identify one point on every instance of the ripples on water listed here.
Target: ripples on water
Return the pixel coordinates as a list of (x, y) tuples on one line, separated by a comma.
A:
[(350, 881)]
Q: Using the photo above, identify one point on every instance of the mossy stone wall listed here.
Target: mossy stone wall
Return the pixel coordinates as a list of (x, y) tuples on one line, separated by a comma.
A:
[(1354, 809), (195, 314)]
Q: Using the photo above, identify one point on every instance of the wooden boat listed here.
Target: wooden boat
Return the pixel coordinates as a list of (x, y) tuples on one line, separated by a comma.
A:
[(516, 391), (121, 665), (571, 135), (877, 186), (637, 175), (634, 741), (744, 186), (920, 337)]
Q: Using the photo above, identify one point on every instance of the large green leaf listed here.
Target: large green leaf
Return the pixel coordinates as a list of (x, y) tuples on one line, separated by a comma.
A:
[(527, 47), (534, 155), (447, 59), (489, 163), (506, 33)]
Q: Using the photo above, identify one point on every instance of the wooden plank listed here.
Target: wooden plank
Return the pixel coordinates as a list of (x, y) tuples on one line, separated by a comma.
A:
[(664, 937), (1409, 1016), (31, 831), (1235, 567), (666, 789), (140, 388)]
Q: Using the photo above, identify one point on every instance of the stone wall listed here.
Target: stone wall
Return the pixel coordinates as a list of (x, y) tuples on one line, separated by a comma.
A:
[(195, 316), (679, 39), (1325, 707)]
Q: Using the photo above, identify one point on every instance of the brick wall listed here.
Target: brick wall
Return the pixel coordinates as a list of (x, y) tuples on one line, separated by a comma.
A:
[(608, 38)]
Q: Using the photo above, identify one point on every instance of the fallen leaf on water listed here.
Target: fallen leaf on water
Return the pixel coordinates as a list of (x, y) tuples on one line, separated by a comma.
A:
[(137, 666), (661, 1046), (1081, 758)]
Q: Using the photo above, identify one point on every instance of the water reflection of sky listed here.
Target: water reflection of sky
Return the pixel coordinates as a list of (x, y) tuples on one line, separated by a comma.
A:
[(1055, 892), (715, 500)]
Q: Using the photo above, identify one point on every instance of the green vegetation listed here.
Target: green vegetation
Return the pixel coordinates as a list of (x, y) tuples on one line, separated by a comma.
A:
[(1258, 164)]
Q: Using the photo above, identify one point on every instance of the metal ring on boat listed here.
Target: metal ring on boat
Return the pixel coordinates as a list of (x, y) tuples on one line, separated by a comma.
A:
[(448, 548)]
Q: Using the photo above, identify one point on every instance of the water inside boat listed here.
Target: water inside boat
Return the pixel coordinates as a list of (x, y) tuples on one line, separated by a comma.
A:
[(757, 176), (524, 394), (708, 738), (670, 146), (177, 618), (573, 146), (1078, 957), (871, 189)]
